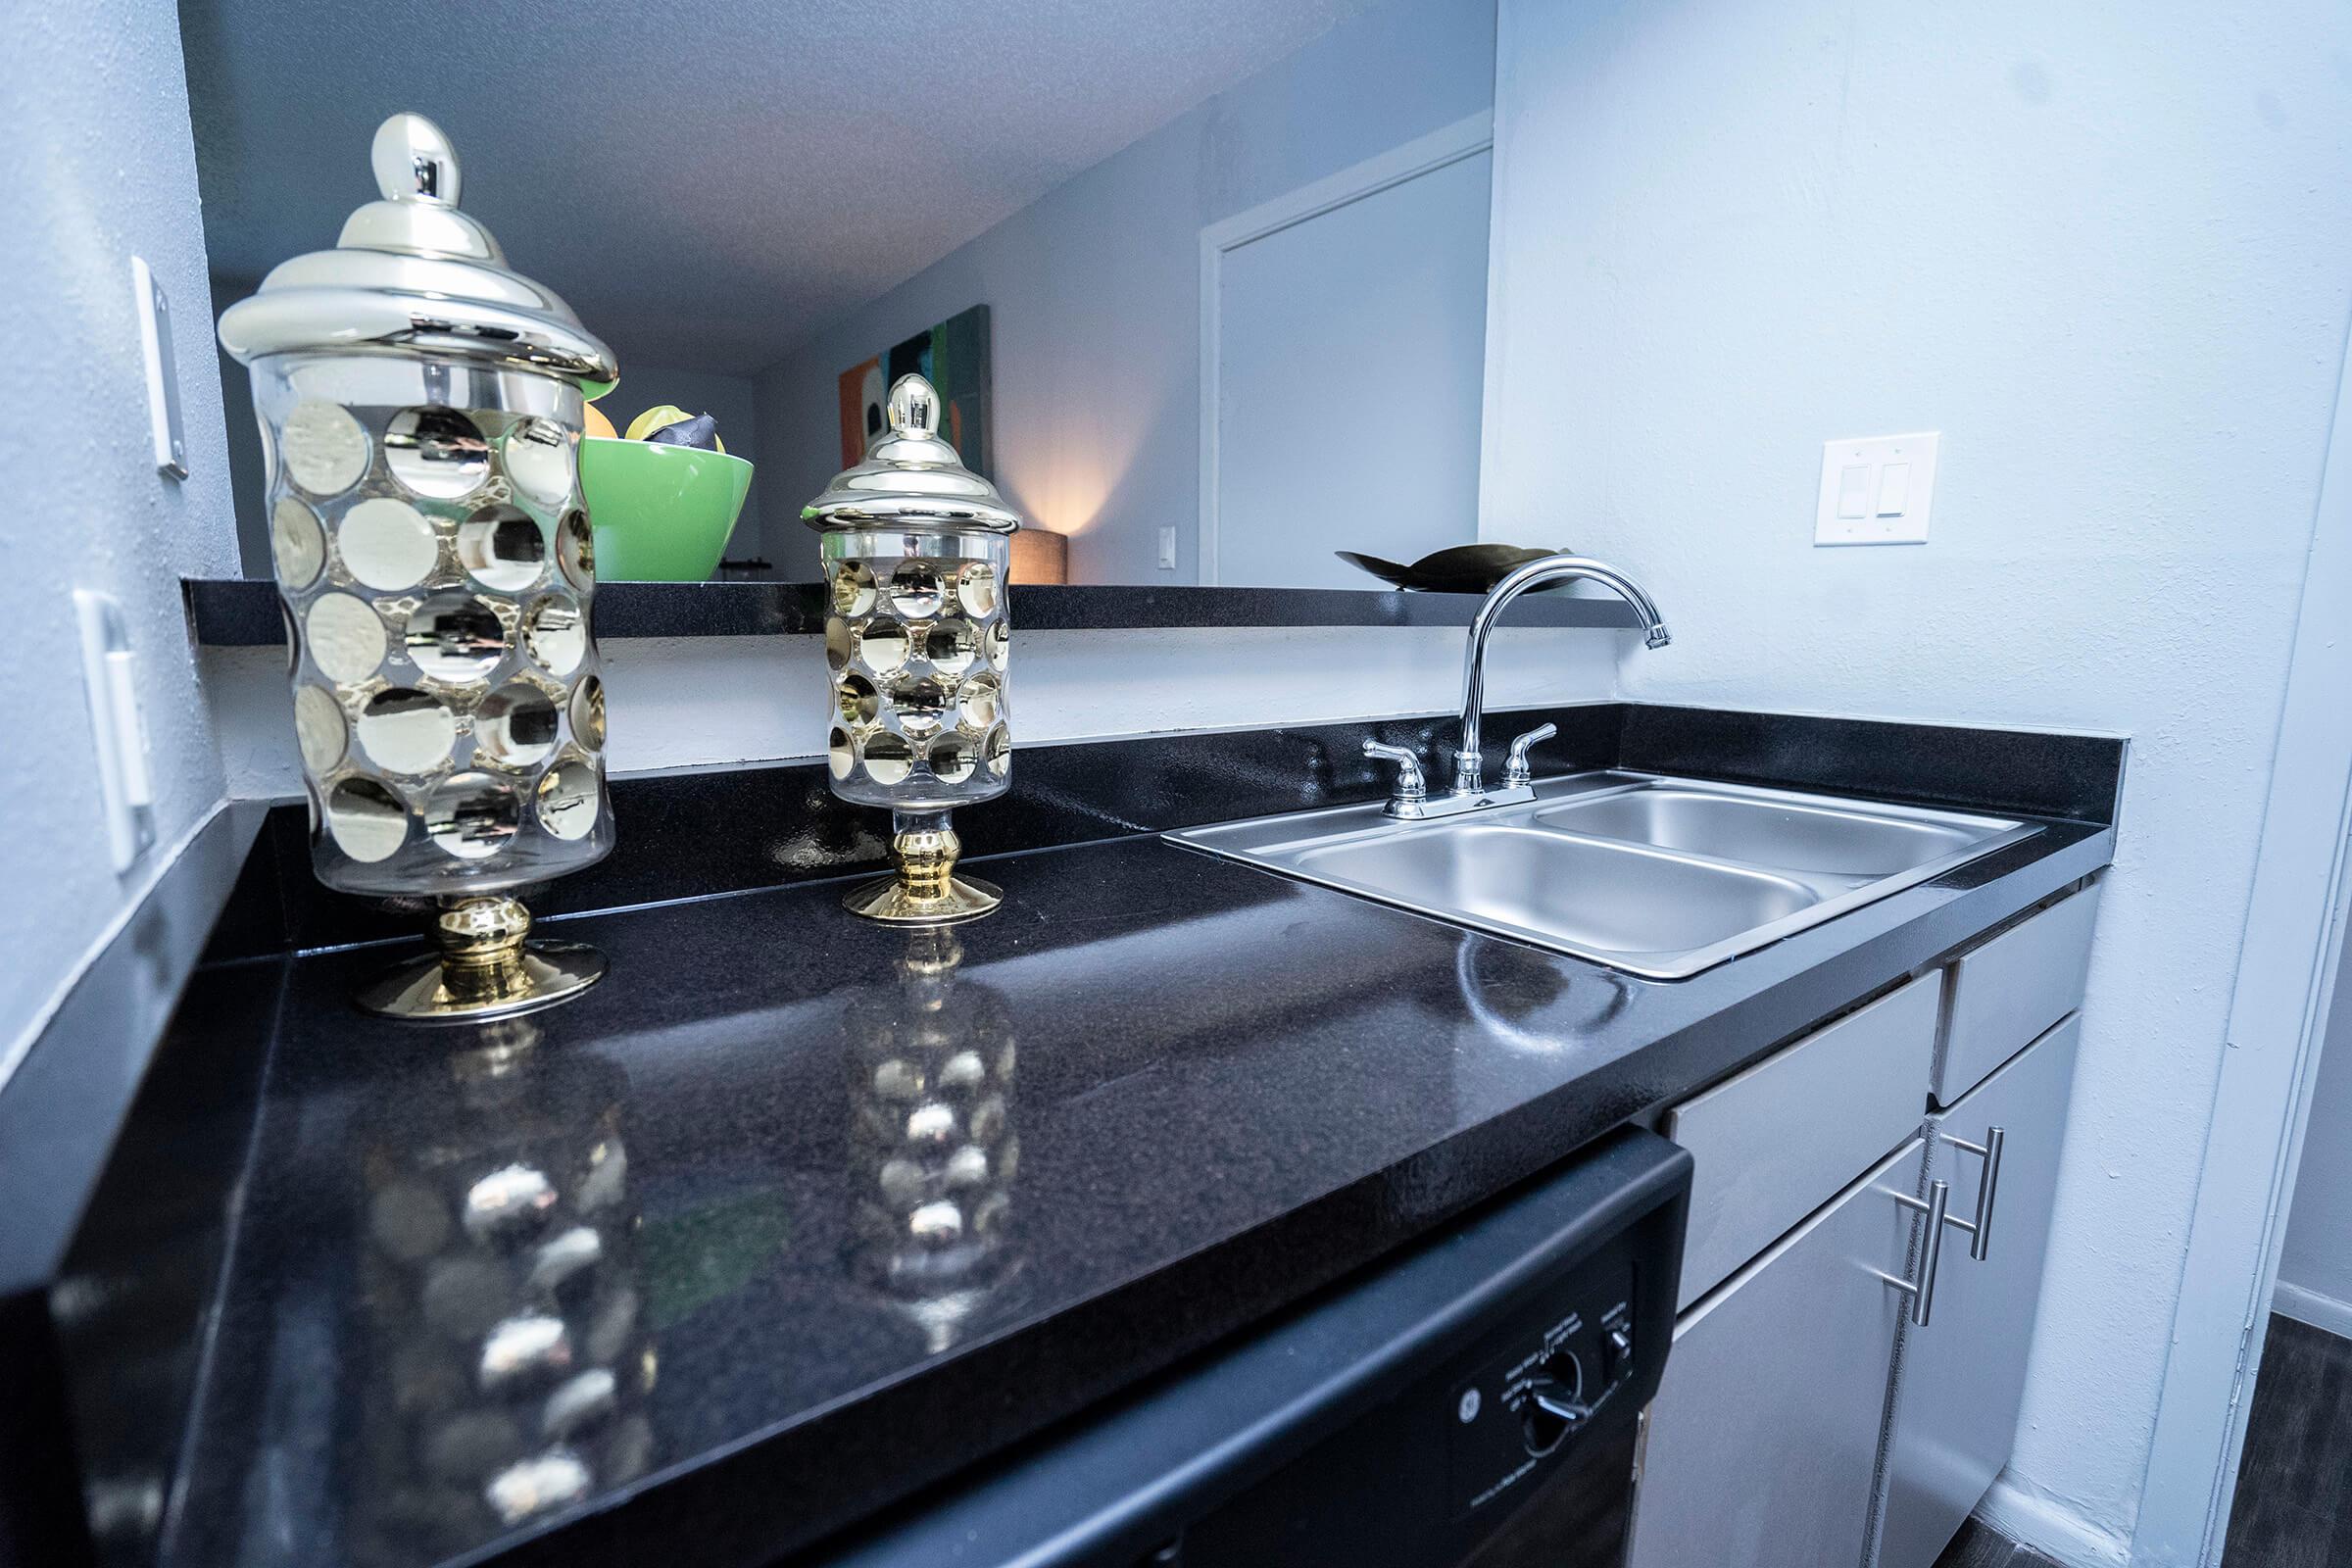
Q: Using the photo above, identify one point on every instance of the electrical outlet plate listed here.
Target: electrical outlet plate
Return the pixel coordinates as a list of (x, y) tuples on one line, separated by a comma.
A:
[(1167, 549), (110, 678), (164, 433), (1877, 490)]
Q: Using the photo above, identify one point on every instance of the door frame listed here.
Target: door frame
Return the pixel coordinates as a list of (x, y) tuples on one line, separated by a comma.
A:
[(1423, 155), (2286, 972)]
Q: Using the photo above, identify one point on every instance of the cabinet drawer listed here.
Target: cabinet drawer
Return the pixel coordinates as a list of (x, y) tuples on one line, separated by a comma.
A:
[(1780, 1140), (2003, 994)]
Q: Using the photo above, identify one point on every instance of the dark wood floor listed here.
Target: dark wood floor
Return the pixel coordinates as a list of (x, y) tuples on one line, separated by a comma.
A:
[(1978, 1547), (2294, 1480), (2294, 1483)]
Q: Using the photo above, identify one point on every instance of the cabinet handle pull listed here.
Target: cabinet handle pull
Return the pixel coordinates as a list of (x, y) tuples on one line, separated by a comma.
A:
[(1980, 1234), (1930, 1261)]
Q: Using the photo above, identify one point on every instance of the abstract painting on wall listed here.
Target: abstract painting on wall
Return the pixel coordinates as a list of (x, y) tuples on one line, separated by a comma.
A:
[(953, 356)]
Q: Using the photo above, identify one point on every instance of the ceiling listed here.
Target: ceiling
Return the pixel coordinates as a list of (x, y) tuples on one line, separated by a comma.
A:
[(705, 182)]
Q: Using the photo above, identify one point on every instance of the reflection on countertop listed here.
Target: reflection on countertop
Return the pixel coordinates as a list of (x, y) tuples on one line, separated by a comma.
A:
[(505, 1360), (761, 1235), (933, 1150)]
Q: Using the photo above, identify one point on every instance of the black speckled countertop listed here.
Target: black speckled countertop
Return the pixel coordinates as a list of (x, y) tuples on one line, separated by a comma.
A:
[(795, 1214)]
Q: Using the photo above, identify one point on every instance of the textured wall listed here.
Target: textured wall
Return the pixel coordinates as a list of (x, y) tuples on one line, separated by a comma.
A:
[(2315, 1268), (2102, 248), (101, 168), (1094, 292)]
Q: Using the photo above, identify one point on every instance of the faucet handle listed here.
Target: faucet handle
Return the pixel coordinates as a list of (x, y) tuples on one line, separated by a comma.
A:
[(1412, 787), (1516, 773)]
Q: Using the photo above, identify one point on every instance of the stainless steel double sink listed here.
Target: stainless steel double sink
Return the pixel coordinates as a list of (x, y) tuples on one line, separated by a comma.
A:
[(1659, 877)]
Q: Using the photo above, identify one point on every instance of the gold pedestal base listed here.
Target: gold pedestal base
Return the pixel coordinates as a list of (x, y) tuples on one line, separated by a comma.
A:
[(926, 891), (483, 968)]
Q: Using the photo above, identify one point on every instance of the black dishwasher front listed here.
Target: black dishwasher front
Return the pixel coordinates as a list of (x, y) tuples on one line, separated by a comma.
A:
[(1468, 1404)]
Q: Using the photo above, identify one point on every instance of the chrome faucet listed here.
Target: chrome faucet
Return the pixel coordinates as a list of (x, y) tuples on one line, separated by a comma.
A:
[(1469, 790)]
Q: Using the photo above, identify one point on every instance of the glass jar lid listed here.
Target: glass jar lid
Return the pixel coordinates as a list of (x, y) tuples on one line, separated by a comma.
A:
[(910, 475), (412, 273)]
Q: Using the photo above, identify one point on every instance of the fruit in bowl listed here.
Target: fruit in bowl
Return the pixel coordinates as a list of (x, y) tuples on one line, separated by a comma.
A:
[(662, 508), (670, 426)]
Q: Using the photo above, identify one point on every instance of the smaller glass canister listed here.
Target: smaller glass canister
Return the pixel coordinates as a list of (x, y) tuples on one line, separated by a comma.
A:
[(918, 639), (420, 407)]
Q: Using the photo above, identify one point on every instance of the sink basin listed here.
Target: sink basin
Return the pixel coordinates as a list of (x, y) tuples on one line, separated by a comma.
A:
[(1764, 832), (1609, 898), (1659, 877)]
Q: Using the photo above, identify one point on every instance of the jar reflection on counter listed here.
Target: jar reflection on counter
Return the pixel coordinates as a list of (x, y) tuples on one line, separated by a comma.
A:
[(506, 1360), (933, 1147)]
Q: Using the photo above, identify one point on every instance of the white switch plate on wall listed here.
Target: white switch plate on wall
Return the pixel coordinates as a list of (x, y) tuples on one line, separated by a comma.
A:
[(1875, 490), (110, 680), (162, 376)]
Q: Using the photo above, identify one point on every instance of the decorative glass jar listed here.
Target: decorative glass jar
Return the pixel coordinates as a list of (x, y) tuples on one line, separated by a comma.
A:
[(918, 639), (420, 407)]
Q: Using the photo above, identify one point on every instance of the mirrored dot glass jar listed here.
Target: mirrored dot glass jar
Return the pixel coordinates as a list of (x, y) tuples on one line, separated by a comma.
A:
[(918, 643), (420, 407)]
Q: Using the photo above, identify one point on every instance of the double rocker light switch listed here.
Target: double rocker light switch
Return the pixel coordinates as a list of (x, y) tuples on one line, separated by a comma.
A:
[(1876, 491)]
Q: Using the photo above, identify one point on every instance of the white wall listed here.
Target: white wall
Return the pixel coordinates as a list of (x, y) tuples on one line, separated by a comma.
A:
[(101, 168), (2314, 1266), (1093, 293), (2102, 248)]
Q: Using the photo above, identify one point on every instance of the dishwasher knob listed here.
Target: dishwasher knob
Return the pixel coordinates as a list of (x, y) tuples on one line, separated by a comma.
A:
[(1554, 1410), (1617, 1353)]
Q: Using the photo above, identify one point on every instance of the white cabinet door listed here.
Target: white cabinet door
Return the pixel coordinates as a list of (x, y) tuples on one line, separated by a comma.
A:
[(1760, 1448), (1963, 1379)]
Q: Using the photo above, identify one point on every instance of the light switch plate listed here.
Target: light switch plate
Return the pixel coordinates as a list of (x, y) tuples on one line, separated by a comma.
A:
[(1875, 490), (164, 428), (110, 680)]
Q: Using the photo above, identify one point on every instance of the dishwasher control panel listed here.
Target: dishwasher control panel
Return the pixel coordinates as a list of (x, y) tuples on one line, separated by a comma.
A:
[(1534, 1385), (1469, 1401)]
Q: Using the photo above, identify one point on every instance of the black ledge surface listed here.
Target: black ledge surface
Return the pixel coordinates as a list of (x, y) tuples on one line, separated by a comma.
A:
[(241, 611), (1194, 1094)]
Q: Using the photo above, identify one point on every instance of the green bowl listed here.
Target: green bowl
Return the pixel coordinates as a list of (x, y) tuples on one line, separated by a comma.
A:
[(662, 514)]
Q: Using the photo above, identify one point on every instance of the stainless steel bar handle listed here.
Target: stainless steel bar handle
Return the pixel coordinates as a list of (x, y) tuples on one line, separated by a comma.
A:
[(1931, 1259), (1979, 1240)]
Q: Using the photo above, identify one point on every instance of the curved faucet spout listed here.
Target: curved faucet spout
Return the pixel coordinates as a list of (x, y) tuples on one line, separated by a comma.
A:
[(1468, 765)]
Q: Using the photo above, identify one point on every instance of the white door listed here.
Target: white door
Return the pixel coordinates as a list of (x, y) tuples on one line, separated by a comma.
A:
[(1351, 354)]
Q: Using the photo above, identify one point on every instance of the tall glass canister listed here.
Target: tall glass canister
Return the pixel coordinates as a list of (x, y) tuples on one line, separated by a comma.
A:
[(918, 640), (420, 407)]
